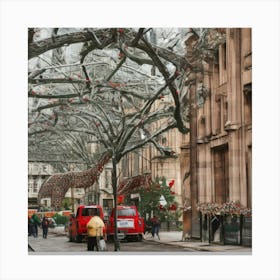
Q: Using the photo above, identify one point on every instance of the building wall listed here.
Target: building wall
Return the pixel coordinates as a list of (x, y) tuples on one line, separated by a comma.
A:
[(224, 124), (149, 160)]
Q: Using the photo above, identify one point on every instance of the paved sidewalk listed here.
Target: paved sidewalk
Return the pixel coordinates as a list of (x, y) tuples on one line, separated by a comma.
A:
[(175, 238)]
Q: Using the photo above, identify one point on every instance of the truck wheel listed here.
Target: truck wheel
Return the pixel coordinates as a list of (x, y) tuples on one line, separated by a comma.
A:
[(110, 238), (78, 238)]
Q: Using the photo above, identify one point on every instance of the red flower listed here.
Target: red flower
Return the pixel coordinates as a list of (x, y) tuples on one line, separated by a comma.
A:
[(172, 193)]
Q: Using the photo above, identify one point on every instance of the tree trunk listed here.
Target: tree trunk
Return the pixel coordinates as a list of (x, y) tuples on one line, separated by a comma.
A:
[(115, 186)]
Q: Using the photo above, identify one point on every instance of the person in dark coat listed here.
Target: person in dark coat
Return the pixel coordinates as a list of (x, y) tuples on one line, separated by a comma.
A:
[(45, 226), (36, 222), (155, 226)]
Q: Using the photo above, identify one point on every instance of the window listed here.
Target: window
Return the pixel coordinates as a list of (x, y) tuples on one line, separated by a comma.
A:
[(221, 173), (91, 212), (247, 90), (222, 64), (126, 212), (35, 185), (107, 178)]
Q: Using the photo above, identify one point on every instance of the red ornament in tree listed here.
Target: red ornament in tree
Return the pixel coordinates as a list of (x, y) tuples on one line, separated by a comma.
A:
[(85, 98), (177, 92), (120, 199), (33, 92), (70, 79), (70, 100), (172, 193), (121, 54), (120, 30), (171, 183), (87, 80)]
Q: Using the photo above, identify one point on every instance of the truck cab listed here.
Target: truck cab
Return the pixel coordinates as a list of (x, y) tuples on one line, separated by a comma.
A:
[(77, 229), (129, 223)]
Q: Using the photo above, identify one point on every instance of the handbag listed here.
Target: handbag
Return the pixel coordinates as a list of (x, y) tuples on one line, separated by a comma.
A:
[(102, 245)]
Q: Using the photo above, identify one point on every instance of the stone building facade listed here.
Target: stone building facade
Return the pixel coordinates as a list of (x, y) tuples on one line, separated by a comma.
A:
[(220, 146), (149, 161)]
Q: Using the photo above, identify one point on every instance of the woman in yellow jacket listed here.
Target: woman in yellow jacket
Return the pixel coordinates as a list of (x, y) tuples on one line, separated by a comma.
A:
[(95, 230)]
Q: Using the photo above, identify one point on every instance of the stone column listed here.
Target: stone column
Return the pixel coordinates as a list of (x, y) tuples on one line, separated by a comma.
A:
[(234, 78), (193, 162)]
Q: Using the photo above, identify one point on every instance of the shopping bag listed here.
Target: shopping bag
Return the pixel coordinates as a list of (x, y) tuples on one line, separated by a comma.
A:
[(102, 245)]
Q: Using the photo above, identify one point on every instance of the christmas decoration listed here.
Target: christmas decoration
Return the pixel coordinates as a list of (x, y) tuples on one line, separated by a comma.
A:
[(120, 199), (228, 208), (134, 184), (159, 200), (58, 184), (171, 183)]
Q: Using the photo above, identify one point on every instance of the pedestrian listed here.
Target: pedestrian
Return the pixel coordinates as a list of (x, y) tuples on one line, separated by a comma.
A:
[(95, 228), (45, 226), (36, 222), (29, 226), (155, 226)]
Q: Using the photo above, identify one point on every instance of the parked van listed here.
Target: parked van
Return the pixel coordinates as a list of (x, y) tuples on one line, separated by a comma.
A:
[(77, 228), (129, 224)]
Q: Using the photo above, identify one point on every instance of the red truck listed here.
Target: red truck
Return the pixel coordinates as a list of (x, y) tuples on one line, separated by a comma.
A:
[(129, 224), (77, 228)]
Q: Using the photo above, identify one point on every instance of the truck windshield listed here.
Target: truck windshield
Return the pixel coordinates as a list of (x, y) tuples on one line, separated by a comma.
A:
[(91, 212), (127, 212)]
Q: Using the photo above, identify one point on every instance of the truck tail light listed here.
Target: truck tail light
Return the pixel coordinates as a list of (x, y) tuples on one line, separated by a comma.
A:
[(140, 222)]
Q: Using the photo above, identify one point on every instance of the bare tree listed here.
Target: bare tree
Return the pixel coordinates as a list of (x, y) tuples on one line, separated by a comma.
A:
[(104, 85)]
